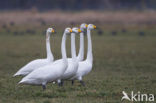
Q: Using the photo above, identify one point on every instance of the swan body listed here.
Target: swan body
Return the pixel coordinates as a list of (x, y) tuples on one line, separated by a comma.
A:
[(32, 66), (85, 66), (45, 74), (50, 72), (71, 70), (38, 62), (72, 62)]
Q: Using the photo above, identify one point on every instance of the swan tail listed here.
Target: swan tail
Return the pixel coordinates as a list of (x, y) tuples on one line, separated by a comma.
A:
[(20, 74), (22, 81), (16, 74), (30, 81)]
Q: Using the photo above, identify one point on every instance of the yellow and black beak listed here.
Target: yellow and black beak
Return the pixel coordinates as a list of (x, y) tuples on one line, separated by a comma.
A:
[(71, 30), (86, 25), (53, 31), (79, 31), (94, 27)]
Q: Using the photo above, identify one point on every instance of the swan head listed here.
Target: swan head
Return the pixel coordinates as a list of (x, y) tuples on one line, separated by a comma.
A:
[(68, 30), (91, 26), (50, 30), (83, 26), (76, 30)]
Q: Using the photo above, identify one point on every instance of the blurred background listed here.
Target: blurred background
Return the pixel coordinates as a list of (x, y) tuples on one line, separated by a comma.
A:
[(43, 5), (124, 47), (71, 12)]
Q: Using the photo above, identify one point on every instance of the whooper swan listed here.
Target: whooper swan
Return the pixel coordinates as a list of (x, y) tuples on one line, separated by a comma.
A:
[(28, 68), (50, 72)]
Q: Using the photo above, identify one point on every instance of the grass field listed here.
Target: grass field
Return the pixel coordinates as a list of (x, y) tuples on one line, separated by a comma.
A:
[(125, 61)]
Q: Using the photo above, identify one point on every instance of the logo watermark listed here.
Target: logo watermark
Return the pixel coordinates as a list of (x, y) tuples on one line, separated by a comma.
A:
[(138, 96)]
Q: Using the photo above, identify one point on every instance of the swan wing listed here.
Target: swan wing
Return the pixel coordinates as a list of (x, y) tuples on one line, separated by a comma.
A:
[(47, 73), (71, 69), (84, 68), (31, 66)]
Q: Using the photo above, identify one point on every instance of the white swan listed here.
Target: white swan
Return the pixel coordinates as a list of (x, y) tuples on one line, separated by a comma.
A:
[(50, 72), (38, 62), (85, 66), (72, 62), (80, 56)]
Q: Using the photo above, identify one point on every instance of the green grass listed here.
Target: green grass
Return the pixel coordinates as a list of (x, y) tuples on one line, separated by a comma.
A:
[(122, 62)]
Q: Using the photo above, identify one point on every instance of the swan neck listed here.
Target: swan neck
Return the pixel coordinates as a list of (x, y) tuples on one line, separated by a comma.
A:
[(89, 52), (48, 48), (63, 48), (73, 49), (81, 50)]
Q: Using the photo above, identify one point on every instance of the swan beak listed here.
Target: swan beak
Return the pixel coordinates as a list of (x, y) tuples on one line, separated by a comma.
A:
[(53, 31), (79, 31), (94, 27), (86, 25), (71, 30)]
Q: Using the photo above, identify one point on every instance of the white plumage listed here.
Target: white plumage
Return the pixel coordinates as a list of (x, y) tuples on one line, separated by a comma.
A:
[(72, 62), (43, 71), (85, 66), (50, 72), (28, 68)]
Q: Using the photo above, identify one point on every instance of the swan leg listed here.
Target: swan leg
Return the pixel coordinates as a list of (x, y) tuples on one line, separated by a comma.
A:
[(62, 83), (44, 87), (59, 82), (82, 83), (72, 82)]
